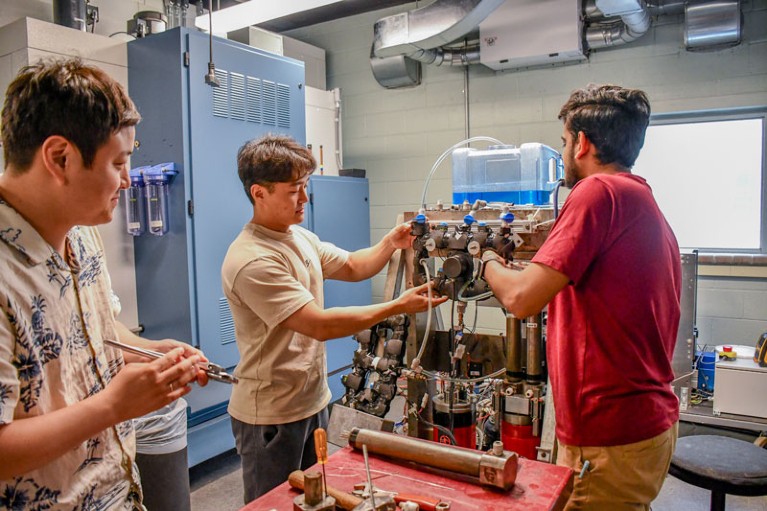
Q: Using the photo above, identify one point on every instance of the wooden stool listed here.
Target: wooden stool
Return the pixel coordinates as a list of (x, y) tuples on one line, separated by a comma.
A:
[(721, 464)]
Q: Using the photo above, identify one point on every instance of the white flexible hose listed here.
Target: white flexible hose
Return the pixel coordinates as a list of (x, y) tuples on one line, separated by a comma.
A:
[(416, 363)]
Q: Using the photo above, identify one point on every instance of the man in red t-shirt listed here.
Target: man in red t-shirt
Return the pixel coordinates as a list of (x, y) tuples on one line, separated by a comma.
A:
[(611, 271)]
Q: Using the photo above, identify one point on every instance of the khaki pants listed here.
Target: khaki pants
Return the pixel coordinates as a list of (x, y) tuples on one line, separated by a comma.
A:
[(621, 477)]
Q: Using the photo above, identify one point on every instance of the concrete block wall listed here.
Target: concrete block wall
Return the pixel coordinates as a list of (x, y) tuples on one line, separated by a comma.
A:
[(731, 310), (396, 135)]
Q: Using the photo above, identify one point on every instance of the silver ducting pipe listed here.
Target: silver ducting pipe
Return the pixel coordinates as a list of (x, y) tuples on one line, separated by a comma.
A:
[(403, 41), (665, 8), (433, 26), (712, 25), (70, 13), (448, 57), (634, 23)]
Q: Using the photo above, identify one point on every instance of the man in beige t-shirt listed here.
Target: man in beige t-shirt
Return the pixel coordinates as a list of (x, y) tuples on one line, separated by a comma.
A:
[(272, 277)]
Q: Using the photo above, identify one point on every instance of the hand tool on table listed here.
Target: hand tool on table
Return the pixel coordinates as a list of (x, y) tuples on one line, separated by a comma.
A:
[(349, 501), (313, 498), (321, 449), (424, 503), (214, 371), (499, 471), (343, 500)]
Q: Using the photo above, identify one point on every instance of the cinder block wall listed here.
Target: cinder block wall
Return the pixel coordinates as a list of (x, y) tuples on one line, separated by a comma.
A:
[(731, 310), (396, 135)]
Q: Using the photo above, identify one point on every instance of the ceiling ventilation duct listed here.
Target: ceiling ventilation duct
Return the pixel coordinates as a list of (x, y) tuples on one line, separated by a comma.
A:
[(634, 23), (402, 41), (712, 25), (531, 33), (524, 33)]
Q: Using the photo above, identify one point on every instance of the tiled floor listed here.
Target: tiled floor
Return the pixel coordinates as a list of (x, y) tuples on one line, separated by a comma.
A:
[(217, 486)]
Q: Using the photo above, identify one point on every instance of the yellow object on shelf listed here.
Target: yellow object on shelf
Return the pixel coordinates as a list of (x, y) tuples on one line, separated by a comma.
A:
[(727, 353)]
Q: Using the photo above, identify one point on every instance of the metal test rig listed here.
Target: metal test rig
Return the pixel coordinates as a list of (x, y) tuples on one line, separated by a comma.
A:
[(463, 388)]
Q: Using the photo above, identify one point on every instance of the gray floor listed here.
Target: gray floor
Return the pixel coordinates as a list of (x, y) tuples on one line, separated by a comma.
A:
[(217, 486)]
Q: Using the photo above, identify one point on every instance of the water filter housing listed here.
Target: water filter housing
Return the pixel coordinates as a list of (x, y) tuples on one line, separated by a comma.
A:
[(135, 205), (506, 173)]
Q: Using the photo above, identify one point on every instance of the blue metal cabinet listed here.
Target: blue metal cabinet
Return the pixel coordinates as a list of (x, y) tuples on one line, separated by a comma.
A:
[(200, 128), (339, 213)]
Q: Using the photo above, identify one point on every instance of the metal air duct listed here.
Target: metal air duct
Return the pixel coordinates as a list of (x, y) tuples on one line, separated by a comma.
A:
[(70, 13), (712, 25), (419, 35), (634, 23)]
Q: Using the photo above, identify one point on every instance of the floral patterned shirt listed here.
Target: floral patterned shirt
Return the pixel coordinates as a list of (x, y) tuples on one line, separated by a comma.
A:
[(55, 314)]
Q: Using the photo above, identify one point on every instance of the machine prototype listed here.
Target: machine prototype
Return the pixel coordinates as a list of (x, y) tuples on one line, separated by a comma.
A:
[(466, 389)]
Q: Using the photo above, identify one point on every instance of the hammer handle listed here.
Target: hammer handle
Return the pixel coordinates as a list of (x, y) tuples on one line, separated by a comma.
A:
[(343, 499)]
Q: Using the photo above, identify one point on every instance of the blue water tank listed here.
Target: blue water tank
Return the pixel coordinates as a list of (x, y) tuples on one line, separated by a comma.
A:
[(506, 173)]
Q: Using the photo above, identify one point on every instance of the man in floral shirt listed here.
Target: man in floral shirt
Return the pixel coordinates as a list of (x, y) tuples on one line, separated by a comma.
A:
[(66, 399)]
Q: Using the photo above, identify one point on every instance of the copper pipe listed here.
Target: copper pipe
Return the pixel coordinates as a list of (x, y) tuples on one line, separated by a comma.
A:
[(534, 348), (496, 471), (513, 348)]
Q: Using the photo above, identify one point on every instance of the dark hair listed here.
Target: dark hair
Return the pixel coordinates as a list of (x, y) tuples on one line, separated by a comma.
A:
[(273, 159), (613, 118), (67, 98)]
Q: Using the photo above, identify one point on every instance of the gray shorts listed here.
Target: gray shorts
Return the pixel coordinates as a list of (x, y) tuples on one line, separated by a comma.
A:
[(271, 452)]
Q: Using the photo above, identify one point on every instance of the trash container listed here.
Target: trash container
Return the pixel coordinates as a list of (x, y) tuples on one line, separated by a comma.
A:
[(161, 458)]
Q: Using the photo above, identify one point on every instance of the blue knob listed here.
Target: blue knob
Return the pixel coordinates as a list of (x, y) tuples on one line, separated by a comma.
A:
[(420, 219), (468, 220), (507, 217), (482, 224)]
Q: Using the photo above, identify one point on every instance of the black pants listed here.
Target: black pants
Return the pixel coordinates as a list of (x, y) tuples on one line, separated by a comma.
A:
[(269, 453)]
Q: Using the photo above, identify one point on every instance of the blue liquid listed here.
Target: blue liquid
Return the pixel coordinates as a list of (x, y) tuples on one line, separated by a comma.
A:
[(536, 197)]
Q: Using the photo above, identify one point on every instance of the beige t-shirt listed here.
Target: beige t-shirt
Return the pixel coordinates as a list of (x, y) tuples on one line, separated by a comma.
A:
[(267, 276)]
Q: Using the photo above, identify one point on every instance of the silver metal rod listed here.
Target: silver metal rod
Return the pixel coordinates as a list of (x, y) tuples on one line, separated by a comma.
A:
[(214, 372), (133, 349), (370, 479)]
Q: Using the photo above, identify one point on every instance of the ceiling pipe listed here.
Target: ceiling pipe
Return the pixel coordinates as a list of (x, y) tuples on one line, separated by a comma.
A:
[(592, 13), (420, 34), (447, 56), (634, 23)]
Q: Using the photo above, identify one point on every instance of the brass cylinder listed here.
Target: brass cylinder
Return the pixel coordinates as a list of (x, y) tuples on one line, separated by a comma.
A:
[(534, 348), (513, 348), (498, 471)]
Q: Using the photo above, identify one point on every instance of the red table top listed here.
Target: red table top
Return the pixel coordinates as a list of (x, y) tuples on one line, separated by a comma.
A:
[(539, 486)]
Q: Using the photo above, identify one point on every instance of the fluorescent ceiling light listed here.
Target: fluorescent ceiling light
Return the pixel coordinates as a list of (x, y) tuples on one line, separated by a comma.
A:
[(255, 12)]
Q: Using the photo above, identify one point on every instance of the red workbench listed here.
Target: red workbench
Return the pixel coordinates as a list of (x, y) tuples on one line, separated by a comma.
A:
[(539, 486)]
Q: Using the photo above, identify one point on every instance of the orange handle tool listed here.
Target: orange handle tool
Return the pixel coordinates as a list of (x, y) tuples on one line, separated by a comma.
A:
[(321, 445)]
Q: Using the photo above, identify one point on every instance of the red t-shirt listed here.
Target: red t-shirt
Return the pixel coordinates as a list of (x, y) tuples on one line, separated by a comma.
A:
[(612, 329)]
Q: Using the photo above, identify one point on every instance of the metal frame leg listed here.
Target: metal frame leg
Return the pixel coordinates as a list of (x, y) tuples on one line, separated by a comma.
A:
[(718, 499)]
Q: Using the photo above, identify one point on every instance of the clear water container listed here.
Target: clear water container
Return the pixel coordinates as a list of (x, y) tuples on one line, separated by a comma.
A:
[(157, 181), (506, 173), (135, 208)]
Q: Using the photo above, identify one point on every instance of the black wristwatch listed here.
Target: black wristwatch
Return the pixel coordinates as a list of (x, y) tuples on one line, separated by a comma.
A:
[(484, 265)]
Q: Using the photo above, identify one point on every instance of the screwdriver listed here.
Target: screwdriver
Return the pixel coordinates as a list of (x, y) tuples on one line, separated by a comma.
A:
[(321, 449)]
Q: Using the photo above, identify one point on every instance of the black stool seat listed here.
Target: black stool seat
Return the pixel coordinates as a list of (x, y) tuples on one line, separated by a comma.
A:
[(721, 464)]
